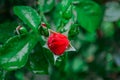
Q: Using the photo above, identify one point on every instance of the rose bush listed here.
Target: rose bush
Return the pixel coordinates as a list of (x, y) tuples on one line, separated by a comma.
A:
[(36, 38)]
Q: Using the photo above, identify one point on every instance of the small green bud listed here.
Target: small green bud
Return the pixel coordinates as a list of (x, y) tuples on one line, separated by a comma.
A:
[(44, 30), (68, 13), (74, 30), (21, 30)]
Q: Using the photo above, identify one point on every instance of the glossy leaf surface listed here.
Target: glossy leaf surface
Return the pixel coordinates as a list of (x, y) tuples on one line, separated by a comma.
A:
[(15, 51), (38, 62), (7, 30), (28, 15), (65, 4), (47, 5), (89, 15)]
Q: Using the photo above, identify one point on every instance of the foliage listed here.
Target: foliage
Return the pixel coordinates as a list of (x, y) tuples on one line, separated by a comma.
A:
[(88, 25)]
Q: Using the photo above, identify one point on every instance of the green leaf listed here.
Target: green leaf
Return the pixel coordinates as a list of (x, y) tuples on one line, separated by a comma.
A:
[(37, 61), (15, 51), (66, 9), (55, 15), (49, 55), (118, 23), (79, 65), (7, 30), (65, 4), (68, 13), (108, 29), (19, 75), (89, 52), (29, 16), (110, 62), (74, 31), (61, 13), (47, 5), (90, 37), (89, 15)]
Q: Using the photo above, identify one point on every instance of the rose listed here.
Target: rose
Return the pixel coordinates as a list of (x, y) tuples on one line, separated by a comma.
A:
[(57, 43)]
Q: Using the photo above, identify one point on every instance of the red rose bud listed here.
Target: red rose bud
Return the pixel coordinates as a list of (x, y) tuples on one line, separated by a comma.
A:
[(43, 24), (57, 43)]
